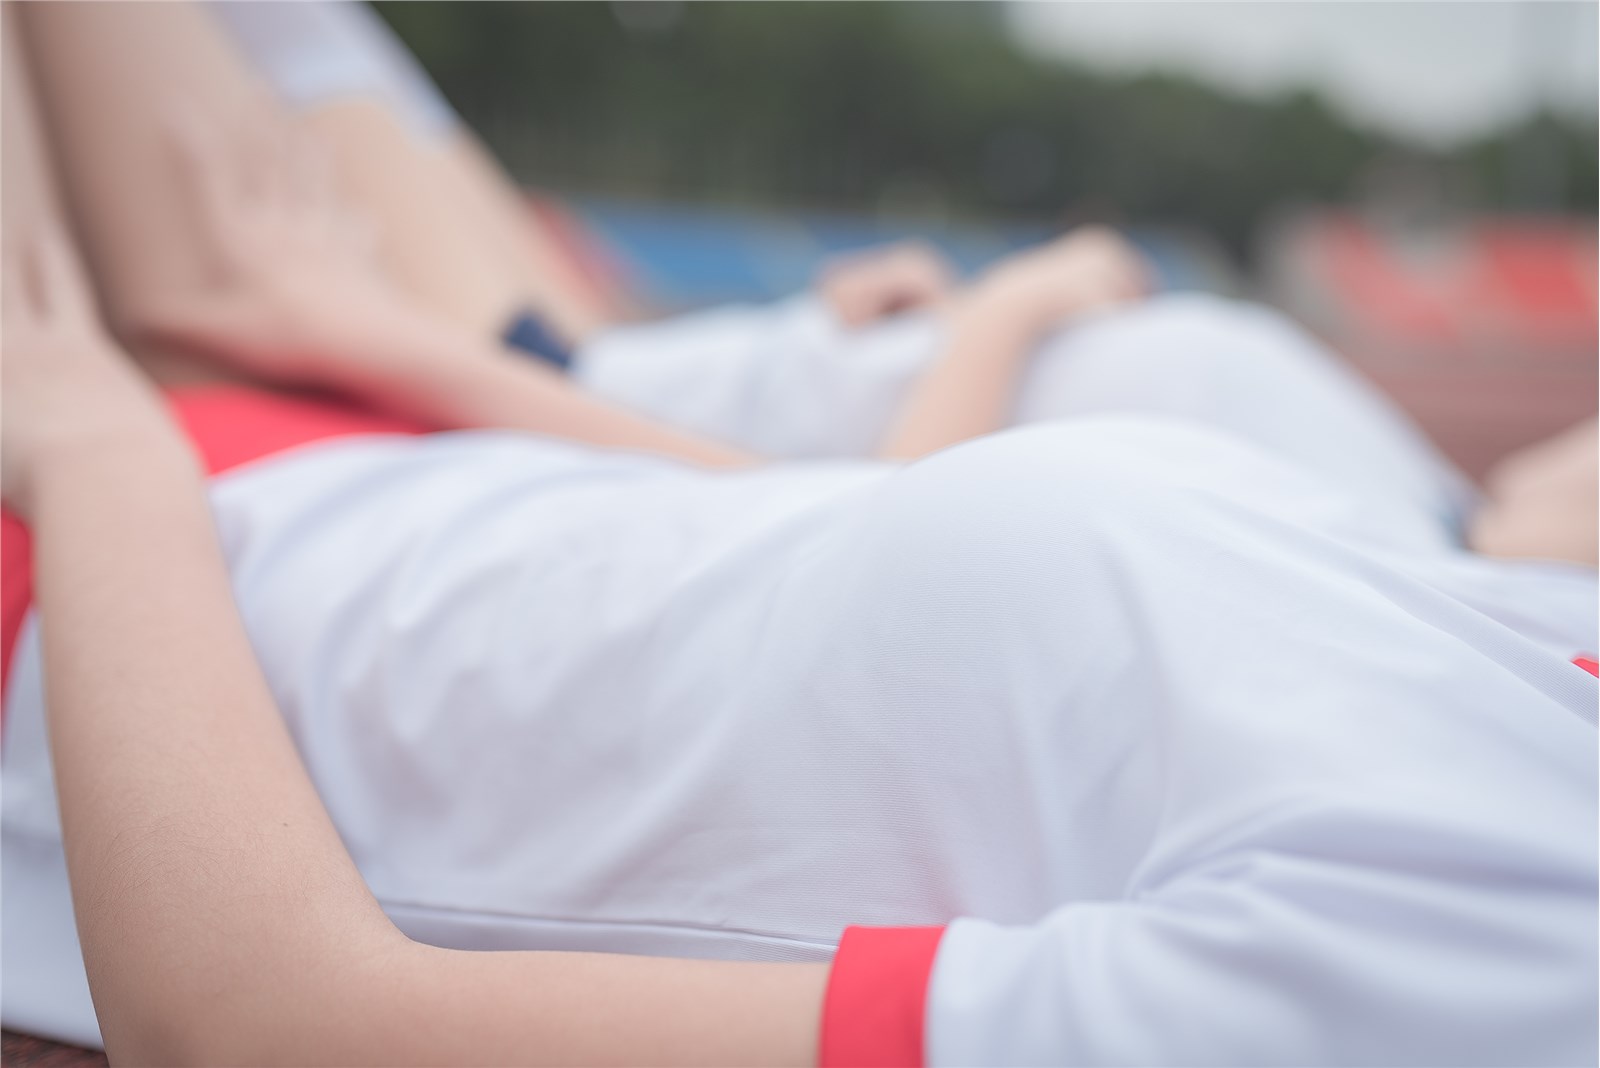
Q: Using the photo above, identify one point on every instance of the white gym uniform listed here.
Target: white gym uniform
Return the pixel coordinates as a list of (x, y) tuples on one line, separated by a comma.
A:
[(1200, 754)]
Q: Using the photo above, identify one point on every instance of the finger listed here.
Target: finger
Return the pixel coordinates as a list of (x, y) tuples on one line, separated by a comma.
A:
[(256, 158), (360, 234), (1096, 232), (934, 278), (212, 326), (15, 303), (310, 174), (211, 174), (63, 291), (256, 148), (204, 154), (1133, 270), (913, 282), (280, 163), (347, 231), (939, 280), (1147, 276), (1142, 281), (293, 168), (930, 262)]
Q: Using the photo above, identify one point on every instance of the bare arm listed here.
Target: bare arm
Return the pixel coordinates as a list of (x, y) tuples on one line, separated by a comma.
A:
[(443, 376), (296, 297), (438, 373), (867, 287), (993, 327), (221, 918), (969, 390), (298, 301)]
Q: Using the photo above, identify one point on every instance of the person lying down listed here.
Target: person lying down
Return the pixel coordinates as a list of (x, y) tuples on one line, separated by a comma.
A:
[(825, 373), (1182, 731), (1133, 735)]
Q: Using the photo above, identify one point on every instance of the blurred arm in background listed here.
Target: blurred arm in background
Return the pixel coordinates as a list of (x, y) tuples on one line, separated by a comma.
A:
[(994, 326), (254, 251), (866, 287), (1543, 501), (260, 272), (219, 912), (298, 301)]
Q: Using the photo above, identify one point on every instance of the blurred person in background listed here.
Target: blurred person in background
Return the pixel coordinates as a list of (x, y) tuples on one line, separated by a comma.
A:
[(821, 375), (559, 699)]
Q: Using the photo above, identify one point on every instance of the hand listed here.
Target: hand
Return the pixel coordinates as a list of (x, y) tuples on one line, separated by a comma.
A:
[(296, 288), (865, 288), (1088, 269), (64, 385), (1543, 500)]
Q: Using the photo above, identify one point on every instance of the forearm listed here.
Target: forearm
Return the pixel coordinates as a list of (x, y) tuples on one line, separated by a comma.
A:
[(445, 377), (970, 389), (562, 1008), (221, 918), (208, 883), (219, 913)]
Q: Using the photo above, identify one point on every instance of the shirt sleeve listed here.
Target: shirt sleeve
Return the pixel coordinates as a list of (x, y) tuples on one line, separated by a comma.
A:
[(1354, 945), (873, 1011)]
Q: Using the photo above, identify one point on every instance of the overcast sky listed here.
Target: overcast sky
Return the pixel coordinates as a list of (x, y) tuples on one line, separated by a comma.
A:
[(1437, 70)]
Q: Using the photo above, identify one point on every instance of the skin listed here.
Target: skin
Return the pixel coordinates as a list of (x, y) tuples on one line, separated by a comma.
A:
[(219, 913), (868, 287), (217, 907), (218, 910), (455, 233), (297, 298), (100, 74), (1543, 501), (234, 261), (994, 326)]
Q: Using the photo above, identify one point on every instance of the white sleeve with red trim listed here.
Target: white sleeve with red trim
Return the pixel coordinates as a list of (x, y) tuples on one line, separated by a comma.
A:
[(1371, 943), (1336, 937)]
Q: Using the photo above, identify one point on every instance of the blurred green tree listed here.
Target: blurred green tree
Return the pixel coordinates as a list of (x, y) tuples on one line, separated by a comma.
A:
[(918, 107)]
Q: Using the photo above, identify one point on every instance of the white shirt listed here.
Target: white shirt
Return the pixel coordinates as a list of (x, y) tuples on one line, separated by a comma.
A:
[(1202, 757)]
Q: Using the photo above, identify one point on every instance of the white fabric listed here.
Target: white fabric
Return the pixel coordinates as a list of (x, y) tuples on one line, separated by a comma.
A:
[(1226, 761), (788, 380), (1359, 817), (315, 51)]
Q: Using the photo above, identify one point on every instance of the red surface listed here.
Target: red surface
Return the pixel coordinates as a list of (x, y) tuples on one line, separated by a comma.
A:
[(25, 1051), (1391, 299), (1542, 278), (1486, 334)]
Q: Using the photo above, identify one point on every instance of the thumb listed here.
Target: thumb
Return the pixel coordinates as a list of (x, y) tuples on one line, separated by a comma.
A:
[(219, 327)]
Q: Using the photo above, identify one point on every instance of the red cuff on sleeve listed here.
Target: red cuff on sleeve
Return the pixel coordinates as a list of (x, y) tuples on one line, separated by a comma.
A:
[(872, 1014), (1588, 663)]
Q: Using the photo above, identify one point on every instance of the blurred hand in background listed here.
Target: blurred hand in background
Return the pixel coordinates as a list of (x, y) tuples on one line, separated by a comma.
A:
[(868, 286)]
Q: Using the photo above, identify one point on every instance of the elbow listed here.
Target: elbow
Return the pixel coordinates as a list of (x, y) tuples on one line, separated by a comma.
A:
[(261, 1014), (182, 1032), (198, 1036), (179, 1042)]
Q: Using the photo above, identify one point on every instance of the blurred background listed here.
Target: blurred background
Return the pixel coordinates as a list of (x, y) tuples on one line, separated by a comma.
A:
[(1415, 181)]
